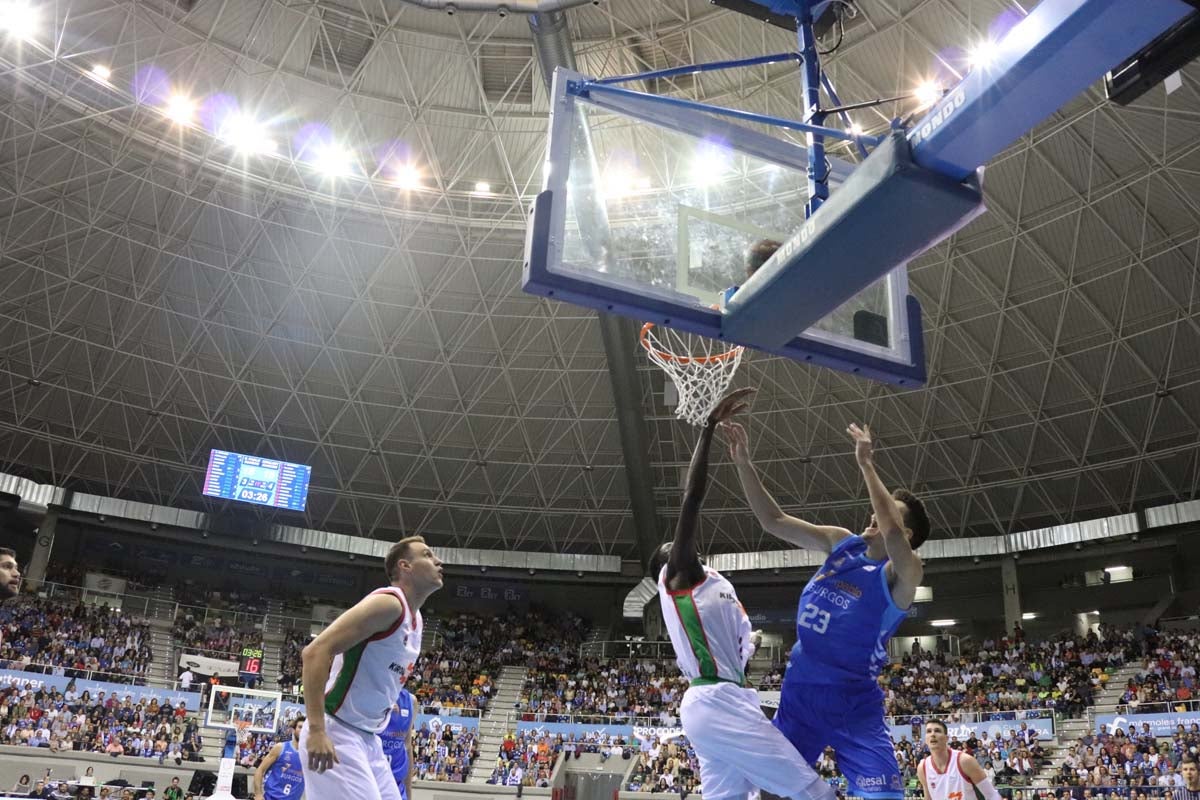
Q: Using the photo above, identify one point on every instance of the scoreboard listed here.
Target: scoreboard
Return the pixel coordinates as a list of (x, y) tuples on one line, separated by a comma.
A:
[(253, 479)]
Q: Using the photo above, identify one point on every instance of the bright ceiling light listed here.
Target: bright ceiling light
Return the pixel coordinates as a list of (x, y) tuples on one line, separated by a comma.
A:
[(1029, 615), (620, 182), (483, 187), (983, 54), (333, 160), (180, 109), (928, 93), (101, 73), (1117, 568), (407, 177), (855, 129), (944, 623), (18, 19), (246, 134), (710, 165)]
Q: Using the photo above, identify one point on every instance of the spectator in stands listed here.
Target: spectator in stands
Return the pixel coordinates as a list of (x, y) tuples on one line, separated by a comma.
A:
[(72, 639)]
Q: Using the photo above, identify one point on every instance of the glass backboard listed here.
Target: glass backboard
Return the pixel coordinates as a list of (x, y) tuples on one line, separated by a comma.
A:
[(649, 213)]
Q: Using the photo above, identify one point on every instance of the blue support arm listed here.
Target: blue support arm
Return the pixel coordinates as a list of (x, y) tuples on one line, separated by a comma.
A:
[(1051, 56)]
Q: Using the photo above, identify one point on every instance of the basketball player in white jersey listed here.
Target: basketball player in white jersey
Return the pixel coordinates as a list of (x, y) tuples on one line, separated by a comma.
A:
[(738, 748), (951, 774), (362, 661)]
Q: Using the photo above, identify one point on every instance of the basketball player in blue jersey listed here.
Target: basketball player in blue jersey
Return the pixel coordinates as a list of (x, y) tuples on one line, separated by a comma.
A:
[(280, 776), (736, 746), (397, 742), (847, 613)]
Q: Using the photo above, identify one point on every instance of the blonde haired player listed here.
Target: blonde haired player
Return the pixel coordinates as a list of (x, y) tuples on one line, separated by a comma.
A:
[(362, 661), (951, 774), (738, 748)]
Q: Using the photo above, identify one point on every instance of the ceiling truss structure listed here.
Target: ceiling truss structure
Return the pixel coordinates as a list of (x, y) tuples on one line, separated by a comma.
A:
[(160, 296)]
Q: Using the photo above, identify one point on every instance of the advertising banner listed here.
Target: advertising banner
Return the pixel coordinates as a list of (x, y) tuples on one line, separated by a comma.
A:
[(60, 683), (203, 665), (1160, 724)]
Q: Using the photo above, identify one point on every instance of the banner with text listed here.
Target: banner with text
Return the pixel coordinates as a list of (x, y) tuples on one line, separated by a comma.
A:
[(568, 728), (914, 728), (60, 683), (203, 665), (1160, 724), (98, 582), (289, 710)]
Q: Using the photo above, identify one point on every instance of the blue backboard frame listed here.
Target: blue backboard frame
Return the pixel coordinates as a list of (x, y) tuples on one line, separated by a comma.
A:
[(545, 274)]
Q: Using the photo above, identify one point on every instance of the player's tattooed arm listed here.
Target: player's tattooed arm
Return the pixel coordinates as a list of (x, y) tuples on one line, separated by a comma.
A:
[(794, 531), (684, 569), (906, 565)]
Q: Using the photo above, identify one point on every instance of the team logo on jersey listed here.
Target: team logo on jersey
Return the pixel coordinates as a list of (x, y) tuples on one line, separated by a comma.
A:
[(849, 589)]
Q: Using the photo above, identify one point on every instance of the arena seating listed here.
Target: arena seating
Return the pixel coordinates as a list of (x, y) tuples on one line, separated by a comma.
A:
[(527, 757), (1006, 675), (669, 767), (609, 689), (41, 635), (1168, 679), (443, 753), (71, 722)]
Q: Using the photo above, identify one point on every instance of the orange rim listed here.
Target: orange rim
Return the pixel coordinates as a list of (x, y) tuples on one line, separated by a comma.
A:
[(643, 337)]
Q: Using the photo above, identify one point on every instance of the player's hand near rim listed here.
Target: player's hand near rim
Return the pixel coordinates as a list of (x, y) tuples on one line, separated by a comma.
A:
[(794, 531), (684, 569)]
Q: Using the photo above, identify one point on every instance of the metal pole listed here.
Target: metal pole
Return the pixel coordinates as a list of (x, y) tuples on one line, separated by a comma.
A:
[(810, 84)]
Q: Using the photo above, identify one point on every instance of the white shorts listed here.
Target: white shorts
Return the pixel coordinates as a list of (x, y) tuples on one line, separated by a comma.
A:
[(740, 750), (362, 771)]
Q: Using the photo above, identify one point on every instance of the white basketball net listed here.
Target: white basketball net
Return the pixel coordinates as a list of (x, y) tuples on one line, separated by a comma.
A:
[(700, 368)]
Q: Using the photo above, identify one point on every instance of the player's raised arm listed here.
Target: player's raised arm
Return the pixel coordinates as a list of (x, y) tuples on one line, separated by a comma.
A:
[(374, 614), (783, 526), (906, 564), (684, 569)]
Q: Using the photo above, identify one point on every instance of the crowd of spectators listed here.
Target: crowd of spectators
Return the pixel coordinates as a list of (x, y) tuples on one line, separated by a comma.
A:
[(666, 766), (617, 690), (290, 668), (216, 636), (1009, 674), (527, 757), (70, 721), (1127, 759), (1167, 681), (443, 753), (66, 637)]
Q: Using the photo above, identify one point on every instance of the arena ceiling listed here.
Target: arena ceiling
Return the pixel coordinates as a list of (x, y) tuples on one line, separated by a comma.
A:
[(160, 296)]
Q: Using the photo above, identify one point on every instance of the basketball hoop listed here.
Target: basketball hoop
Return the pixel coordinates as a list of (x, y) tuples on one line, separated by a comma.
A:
[(701, 368), (243, 731)]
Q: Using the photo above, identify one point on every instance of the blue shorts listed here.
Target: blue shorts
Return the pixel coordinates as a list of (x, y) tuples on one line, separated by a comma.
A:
[(850, 720)]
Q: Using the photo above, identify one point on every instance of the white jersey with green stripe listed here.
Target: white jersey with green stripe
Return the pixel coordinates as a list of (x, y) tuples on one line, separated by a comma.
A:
[(709, 629), (365, 681)]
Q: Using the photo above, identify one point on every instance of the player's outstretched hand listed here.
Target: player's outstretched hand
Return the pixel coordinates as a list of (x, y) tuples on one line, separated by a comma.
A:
[(321, 755), (738, 441), (863, 444), (731, 404)]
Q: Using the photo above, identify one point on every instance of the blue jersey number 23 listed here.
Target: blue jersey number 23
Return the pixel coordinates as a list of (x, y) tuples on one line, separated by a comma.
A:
[(814, 619)]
